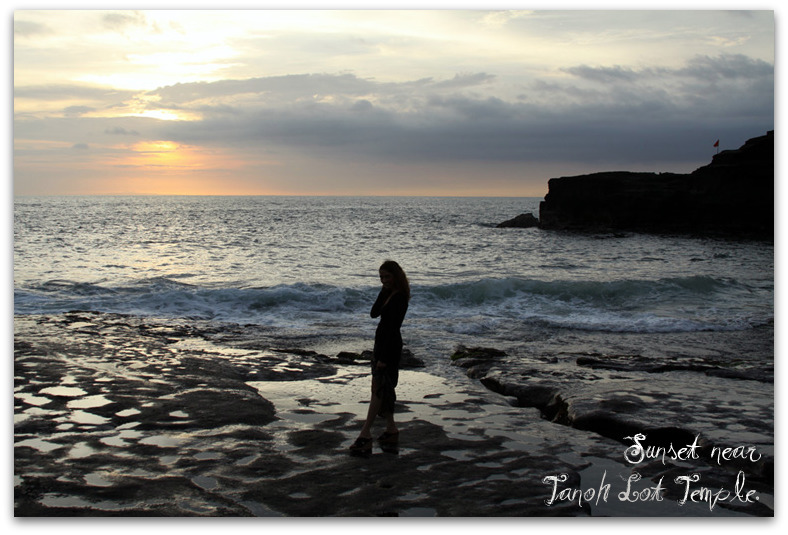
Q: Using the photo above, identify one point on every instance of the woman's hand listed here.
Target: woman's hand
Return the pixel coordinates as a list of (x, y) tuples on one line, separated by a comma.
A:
[(389, 296), (381, 365)]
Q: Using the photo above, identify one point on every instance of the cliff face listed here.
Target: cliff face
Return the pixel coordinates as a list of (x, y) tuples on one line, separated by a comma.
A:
[(733, 195)]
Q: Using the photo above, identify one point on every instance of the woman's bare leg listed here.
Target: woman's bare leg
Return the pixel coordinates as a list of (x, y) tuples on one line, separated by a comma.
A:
[(372, 413), (391, 427)]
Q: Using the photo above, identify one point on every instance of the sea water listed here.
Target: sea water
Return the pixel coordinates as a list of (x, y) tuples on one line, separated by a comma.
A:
[(307, 267)]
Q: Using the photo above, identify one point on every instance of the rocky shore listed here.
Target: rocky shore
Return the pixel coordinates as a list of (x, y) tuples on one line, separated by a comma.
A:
[(120, 416)]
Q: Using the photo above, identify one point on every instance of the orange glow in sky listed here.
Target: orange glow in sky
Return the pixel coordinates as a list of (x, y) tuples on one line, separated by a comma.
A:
[(165, 154), (163, 167)]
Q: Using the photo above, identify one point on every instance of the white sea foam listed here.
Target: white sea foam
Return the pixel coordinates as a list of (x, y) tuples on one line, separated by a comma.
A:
[(689, 304)]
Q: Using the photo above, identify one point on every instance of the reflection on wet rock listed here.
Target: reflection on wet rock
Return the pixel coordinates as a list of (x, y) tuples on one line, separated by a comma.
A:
[(125, 417)]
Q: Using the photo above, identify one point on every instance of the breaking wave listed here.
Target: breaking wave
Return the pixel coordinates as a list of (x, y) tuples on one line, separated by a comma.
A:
[(664, 305)]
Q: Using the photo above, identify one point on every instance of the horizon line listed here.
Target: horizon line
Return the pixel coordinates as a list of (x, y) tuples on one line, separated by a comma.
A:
[(268, 195)]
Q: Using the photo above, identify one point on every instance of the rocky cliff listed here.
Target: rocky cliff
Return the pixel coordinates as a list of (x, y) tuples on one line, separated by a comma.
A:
[(733, 195)]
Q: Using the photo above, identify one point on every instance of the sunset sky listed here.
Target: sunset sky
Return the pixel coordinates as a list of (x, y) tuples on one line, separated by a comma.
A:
[(351, 102)]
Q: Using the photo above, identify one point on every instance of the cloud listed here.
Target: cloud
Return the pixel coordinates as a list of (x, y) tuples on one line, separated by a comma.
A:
[(732, 66), (702, 68), (605, 117), (275, 88), (51, 92), (23, 28), (615, 74), (119, 131), (362, 106), (498, 19), (597, 113), (78, 110), (466, 80), (728, 42), (120, 20)]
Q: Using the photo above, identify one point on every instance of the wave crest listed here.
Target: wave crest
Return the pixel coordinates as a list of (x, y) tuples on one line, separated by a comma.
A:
[(491, 290), (670, 304)]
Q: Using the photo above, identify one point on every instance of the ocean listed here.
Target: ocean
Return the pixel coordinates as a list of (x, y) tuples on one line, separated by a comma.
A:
[(307, 266)]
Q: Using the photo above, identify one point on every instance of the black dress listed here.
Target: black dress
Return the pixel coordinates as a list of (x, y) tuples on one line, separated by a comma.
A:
[(388, 346)]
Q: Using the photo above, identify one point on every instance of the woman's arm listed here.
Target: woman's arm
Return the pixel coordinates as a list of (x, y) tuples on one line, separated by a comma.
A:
[(380, 302)]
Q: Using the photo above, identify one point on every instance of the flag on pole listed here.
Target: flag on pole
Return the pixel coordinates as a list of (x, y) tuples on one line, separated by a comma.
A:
[(717, 143)]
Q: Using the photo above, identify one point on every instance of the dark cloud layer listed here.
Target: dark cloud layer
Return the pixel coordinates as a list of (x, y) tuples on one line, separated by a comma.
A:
[(610, 115), (599, 114)]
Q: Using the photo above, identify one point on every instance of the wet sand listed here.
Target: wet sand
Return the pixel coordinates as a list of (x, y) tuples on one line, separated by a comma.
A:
[(118, 416)]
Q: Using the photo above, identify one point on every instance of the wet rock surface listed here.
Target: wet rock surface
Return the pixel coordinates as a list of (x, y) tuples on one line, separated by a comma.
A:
[(716, 388), (115, 416)]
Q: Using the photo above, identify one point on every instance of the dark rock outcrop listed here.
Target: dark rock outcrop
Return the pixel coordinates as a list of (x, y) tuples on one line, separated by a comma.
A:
[(733, 195), (407, 360), (476, 360), (521, 221)]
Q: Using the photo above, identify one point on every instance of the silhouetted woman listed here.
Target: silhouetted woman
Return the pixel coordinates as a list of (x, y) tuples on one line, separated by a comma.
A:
[(391, 306)]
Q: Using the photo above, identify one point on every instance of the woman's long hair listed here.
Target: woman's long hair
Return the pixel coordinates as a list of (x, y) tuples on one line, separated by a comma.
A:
[(401, 283)]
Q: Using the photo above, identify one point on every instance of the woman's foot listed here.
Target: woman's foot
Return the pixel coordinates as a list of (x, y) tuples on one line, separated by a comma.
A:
[(389, 437), (361, 445)]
